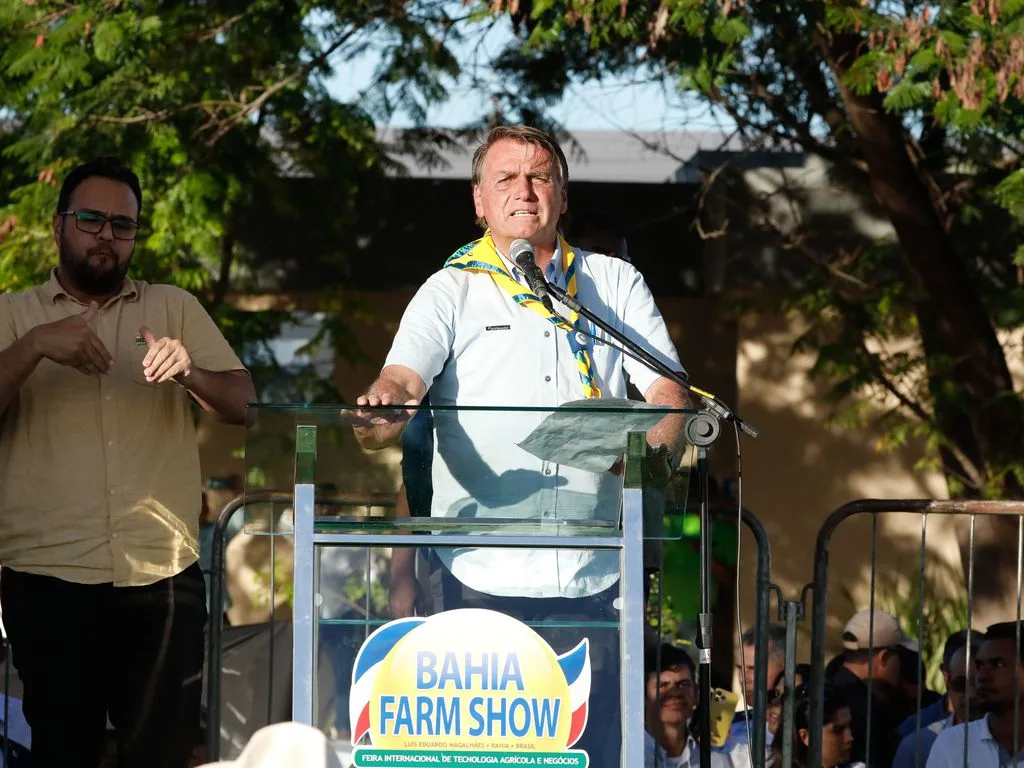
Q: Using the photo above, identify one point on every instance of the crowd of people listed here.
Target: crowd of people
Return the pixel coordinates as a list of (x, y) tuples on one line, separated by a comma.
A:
[(873, 711)]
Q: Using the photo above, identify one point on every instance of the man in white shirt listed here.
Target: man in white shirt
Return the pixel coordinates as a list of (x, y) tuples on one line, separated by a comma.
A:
[(670, 696), (475, 335), (989, 741)]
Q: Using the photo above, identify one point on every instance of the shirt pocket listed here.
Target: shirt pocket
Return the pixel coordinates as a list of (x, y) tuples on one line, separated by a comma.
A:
[(135, 357)]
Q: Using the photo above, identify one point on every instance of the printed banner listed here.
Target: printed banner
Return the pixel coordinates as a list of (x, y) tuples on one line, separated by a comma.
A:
[(467, 687)]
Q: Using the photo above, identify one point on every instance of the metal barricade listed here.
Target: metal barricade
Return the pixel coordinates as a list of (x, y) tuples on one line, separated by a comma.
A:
[(924, 508), (762, 599), (727, 513), (215, 629)]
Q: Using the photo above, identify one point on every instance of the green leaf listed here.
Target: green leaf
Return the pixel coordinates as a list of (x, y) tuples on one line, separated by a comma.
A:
[(731, 30), (150, 25), (107, 40), (907, 95)]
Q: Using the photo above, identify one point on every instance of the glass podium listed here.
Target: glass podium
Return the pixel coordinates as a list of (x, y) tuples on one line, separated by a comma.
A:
[(469, 583)]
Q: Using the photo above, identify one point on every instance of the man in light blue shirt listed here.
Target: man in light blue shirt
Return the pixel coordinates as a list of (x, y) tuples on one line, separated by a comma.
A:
[(475, 335), (913, 751), (941, 710)]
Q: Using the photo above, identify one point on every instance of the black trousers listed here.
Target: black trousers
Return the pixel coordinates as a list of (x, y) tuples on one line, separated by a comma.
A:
[(86, 651), (563, 622)]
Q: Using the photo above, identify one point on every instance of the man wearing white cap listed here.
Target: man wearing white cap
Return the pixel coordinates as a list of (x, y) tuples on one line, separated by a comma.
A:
[(870, 643)]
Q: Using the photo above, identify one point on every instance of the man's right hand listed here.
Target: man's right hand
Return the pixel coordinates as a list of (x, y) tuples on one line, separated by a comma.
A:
[(73, 343), (376, 399), (404, 596), (399, 390)]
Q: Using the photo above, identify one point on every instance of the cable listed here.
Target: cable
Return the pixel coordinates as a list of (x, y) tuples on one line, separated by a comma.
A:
[(739, 529), (739, 613), (614, 345)]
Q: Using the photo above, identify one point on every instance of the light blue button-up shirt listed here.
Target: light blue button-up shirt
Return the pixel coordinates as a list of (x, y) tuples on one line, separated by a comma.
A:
[(472, 344)]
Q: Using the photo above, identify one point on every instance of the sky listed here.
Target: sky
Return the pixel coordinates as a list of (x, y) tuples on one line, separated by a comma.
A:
[(627, 103)]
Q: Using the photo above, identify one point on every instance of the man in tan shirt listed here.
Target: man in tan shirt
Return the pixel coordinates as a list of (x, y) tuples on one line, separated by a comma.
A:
[(100, 489)]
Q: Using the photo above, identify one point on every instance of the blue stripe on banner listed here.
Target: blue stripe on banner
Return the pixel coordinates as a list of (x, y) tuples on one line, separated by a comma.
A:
[(572, 662), (382, 641)]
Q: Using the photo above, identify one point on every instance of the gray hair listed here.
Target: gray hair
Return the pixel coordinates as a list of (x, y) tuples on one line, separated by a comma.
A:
[(775, 634)]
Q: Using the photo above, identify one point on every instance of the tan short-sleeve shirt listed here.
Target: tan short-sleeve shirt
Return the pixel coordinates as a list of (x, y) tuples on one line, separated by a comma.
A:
[(99, 475)]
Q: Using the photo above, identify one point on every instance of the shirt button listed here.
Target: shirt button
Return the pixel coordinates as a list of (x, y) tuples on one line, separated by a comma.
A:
[(113, 491), (113, 535), (547, 378), (110, 443), (547, 471), (108, 398), (546, 334)]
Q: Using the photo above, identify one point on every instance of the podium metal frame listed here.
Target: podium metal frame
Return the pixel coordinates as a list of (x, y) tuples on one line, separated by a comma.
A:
[(628, 542)]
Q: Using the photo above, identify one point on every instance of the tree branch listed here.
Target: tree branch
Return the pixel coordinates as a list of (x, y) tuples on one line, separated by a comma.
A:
[(268, 93), (212, 33)]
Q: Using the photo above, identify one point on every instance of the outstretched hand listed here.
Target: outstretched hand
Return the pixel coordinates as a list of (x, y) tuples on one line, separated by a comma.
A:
[(375, 418)]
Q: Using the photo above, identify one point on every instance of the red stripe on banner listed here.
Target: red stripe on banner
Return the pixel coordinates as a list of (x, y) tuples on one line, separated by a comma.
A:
[(579, 722), (363, 726)]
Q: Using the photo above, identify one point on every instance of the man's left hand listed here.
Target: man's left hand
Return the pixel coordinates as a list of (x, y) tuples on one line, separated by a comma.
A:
[(167, 358)]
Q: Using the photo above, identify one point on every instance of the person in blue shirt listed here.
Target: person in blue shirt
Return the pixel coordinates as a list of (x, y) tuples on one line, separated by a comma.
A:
[(913, 750), (739, 731), (941, 709)]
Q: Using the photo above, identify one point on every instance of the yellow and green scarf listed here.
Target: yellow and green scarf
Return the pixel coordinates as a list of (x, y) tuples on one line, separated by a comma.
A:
[(482, 256)]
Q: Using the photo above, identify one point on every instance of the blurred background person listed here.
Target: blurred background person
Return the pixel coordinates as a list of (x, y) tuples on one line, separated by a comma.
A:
[(874, 655), (940, 709), (836, 736), (740, 730), (914, 749), (670, 698)]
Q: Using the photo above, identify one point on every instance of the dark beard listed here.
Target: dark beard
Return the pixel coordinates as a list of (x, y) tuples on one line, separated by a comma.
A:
[(89, 280)]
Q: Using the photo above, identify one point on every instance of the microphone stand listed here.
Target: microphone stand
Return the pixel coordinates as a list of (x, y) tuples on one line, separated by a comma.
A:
[(702, 430)]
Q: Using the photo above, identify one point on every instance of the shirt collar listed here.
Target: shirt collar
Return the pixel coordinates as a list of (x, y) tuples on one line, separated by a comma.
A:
[(553, 273), (652, 747), (984, 732), (53, 289), (940, 725)]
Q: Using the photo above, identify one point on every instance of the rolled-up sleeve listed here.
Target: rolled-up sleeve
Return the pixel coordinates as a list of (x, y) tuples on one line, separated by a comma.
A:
[(427, 331), (202, 338)]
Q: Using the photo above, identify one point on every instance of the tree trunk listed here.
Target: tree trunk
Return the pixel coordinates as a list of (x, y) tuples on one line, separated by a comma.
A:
[(227, 258), (975, 404)]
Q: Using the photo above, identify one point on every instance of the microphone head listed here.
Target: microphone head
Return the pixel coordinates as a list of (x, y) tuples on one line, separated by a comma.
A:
[(522, 254)]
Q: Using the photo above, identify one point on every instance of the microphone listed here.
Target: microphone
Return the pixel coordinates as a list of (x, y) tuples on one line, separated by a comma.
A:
[(522, 253)]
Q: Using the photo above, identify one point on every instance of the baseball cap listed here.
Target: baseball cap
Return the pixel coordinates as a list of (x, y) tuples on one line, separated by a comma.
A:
[(887, 633), (284, 744)]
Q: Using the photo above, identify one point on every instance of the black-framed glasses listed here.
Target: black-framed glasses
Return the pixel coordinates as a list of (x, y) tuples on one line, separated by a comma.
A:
[(92, 222)]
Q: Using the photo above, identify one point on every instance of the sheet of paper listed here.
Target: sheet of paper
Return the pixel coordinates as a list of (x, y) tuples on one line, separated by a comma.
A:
[(590, 441)]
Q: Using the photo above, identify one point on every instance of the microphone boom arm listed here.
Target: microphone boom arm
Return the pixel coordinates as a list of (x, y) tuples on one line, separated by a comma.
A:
[(708, 400)]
